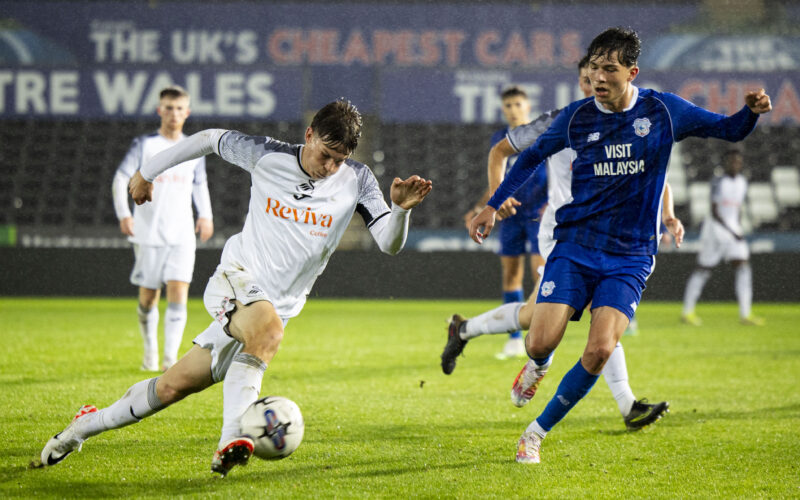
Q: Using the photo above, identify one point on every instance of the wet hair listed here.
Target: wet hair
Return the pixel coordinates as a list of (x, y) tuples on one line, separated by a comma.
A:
[(338, 125), (173, 92), (583, 62), (624, 41), (513, 91)]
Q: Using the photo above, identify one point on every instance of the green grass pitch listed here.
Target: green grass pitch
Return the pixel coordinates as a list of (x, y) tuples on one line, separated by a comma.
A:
[(383, 421)]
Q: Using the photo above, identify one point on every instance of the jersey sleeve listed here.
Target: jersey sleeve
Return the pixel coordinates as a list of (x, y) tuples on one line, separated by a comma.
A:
[(119, 185), (523, 136), (497, 137), (133, 159), (690, 120), (245, 150), (553, 140), (371, 204)]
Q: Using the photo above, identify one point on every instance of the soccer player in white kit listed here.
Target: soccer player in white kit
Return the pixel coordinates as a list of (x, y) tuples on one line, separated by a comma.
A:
[(510, 317), (163, 232), (302, 198), (721, 238)]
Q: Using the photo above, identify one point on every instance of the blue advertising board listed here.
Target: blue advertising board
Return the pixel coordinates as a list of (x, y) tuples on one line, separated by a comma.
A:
[(405, 63)]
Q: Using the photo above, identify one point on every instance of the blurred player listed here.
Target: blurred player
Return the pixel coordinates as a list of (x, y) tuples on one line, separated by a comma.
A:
[(636, 414), (162, 232), (302, 198), (517, 232), (721, 238), (608, 234)]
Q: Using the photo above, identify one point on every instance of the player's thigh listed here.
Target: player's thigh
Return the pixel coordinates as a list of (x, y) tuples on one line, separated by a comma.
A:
[(192, 373), (606, 328), (256, 322), (737, 251), (513, 268), (548, 323)]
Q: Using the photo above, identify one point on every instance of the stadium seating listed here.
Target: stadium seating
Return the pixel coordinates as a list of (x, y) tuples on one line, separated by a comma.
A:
[(58, 173)]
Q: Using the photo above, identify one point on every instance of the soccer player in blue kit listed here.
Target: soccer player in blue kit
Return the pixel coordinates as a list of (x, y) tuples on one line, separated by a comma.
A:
[(607, 237)]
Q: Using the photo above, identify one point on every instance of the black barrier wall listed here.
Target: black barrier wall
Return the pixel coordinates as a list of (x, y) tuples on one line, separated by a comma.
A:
[(371, 274)]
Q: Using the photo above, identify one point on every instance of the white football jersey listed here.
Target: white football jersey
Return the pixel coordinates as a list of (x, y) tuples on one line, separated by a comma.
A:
[(168, 219), (294, 222), (728, 194)]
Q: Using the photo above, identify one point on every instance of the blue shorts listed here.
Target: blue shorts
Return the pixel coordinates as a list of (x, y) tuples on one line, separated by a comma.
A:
[(519, 235), (576, 275)]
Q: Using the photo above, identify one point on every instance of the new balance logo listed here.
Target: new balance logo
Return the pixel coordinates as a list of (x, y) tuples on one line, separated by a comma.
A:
[(594, 136)]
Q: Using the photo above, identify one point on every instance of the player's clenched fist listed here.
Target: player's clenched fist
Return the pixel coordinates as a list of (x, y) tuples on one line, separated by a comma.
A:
[(140, 190), (410, 192), (482, 224), (758, 101)]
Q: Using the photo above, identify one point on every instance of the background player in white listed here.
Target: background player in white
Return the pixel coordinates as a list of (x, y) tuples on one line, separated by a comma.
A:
[(161, 232), (518, 231), (721, 238), (636, 414), (302, 198)]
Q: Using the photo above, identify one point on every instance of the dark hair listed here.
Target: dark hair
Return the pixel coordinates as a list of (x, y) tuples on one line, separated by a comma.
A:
[(624, 41), (729, 153), (583, 62), (513, 91), (338, 125), (173, 92)]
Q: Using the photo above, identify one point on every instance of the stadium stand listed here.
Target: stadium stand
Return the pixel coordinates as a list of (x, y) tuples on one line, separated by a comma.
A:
[(58, 173)]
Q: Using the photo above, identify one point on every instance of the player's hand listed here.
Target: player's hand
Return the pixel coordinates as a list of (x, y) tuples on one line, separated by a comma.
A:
[(758, 101), (481, 226), (469, 215), (675, 227), (140, 190), (410, 192), (205, 228), (126, 226), (508, 208)]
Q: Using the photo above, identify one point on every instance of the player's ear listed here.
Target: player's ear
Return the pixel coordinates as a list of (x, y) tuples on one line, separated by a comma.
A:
[(309, 134), (633, 72)]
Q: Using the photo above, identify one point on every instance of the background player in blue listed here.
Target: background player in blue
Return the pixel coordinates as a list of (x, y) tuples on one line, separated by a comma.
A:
[(518, 233), (608, 235)]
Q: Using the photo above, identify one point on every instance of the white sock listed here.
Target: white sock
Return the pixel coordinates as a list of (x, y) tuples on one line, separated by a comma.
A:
[(139, 402), (694, 287), (744, 289), (174, 324), (616, 374), (503, 319), (148, 326), (241, 389), (535, 427)]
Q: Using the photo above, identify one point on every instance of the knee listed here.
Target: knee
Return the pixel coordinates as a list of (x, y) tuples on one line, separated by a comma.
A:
[(263, 338), (537, 345), (595, 357)]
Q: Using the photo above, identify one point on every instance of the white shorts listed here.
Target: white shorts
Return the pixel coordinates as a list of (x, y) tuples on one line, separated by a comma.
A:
[(223, 288), (155, 265), (717, 243), (227, 285)]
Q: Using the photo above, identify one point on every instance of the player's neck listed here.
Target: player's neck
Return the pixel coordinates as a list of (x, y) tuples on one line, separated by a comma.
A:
[(623, 102), (170, 133)]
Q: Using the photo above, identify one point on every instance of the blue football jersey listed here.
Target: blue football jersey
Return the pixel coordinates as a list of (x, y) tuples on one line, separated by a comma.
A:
[(532, 194), (619, 173)]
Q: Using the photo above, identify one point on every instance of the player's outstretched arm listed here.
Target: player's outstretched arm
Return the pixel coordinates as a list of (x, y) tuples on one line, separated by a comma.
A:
[(409, 193)]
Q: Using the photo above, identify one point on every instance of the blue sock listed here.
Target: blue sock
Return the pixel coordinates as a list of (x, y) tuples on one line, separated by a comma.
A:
[(514, 296), (573, 387), (543, 361)]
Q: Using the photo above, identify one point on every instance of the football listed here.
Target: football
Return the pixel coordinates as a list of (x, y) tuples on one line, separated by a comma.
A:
[(275, 425)]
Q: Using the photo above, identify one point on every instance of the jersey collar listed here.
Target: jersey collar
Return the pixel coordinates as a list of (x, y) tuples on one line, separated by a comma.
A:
[(630, 106), (299, 155)]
